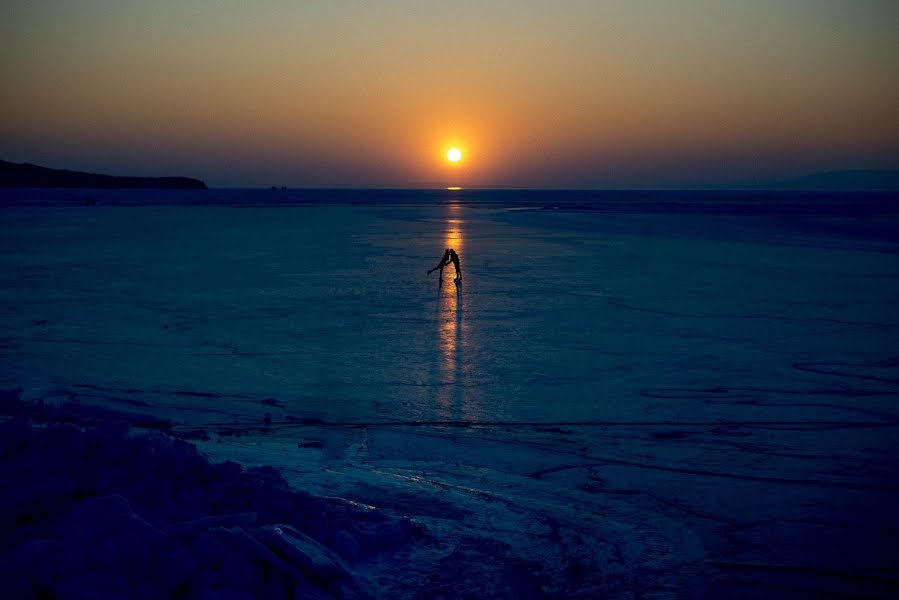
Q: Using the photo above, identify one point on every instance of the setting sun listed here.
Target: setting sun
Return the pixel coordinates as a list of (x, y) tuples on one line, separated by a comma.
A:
[(454, 155)]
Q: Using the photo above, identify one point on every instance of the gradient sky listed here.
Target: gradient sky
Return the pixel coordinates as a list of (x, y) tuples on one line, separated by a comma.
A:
[(538, 94)]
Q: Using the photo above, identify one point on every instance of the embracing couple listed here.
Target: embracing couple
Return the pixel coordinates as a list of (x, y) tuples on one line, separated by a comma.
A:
[(449, 256)]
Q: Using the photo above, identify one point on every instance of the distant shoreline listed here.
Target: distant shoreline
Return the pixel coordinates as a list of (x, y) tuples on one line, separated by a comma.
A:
[(27, 175)]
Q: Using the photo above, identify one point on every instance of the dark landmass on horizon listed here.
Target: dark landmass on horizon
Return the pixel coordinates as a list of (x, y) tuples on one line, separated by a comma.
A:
[(27, 175), (844, 180)]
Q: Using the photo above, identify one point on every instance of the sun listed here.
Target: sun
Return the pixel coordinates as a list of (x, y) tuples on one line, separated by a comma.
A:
[(454, 155)]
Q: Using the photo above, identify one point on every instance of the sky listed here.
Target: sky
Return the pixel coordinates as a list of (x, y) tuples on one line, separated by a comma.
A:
[(630, 93)]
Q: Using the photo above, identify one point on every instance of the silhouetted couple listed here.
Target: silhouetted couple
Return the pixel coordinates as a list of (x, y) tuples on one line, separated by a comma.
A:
[(449, 256)]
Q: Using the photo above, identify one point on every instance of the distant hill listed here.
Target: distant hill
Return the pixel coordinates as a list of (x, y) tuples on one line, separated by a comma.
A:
[(855, 180), (27, 175)]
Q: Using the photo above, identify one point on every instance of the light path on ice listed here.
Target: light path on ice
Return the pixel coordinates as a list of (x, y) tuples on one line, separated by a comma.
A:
[(330, 308)]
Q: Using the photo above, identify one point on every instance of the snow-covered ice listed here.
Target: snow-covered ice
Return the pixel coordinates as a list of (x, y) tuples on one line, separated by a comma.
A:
[(90, 511), (612, 403)]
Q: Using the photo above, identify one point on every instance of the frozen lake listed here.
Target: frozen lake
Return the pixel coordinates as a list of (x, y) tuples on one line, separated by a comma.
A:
[(640, 401)]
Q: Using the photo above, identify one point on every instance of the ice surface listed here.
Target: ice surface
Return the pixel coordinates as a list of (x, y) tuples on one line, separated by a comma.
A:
[(629, 404)]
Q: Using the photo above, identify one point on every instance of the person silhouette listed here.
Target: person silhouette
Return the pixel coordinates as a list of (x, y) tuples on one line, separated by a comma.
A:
[(455, 260), (443, 262)]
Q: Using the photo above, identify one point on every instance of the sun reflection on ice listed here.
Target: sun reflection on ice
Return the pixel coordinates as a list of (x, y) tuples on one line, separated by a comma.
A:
[(452, 328)]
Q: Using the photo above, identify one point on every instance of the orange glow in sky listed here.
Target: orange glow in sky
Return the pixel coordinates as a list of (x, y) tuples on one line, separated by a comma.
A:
[(532, 94)]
